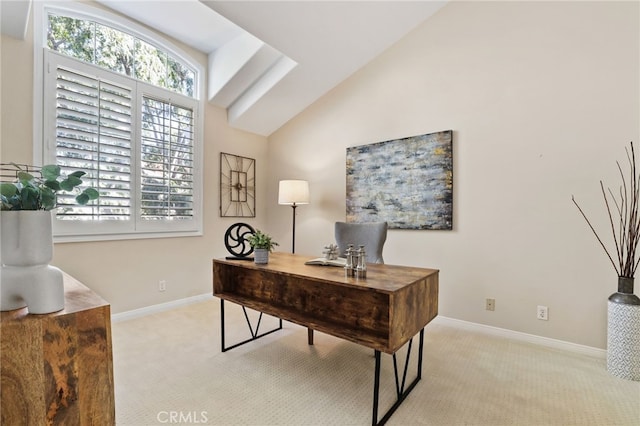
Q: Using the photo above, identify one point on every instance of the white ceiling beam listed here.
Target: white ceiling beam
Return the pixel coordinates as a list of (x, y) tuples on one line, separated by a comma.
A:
[(264, 84), (226, 61)]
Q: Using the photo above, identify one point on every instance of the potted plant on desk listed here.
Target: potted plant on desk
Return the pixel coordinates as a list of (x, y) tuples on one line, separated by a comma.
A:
[(262, 245), (27, 240)]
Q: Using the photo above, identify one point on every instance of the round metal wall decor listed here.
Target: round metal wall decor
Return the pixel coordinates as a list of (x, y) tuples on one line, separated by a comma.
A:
[(236, 243)]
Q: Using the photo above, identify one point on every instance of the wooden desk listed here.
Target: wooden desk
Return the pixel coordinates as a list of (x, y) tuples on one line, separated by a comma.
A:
[(384, 311), (57, 368)]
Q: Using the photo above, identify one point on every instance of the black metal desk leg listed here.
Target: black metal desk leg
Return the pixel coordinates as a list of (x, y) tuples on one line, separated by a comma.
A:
[(254, 333), (222, 325), (376, 389), (401, 392)]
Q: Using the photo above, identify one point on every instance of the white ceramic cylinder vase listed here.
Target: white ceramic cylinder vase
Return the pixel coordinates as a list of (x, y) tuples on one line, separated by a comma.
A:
[(623, 332), (261, 256), (623, 340), (26, 278)]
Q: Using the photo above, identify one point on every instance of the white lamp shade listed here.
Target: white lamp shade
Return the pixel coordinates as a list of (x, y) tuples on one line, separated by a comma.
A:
[(293, 192)]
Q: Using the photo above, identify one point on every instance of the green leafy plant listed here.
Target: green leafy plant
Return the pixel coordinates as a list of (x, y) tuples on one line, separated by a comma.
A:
[(260, 240), (39, 191)]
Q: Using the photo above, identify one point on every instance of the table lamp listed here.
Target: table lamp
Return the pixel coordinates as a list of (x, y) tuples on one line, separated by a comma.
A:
[(293, 193)]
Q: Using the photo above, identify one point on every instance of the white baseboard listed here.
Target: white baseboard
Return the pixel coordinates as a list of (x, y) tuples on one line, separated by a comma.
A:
[(452, 322), (148, 310), (523, 337)]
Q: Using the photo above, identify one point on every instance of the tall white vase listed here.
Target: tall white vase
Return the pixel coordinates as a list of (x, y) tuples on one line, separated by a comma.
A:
[(26, 278), (623, 332), (623, 341)]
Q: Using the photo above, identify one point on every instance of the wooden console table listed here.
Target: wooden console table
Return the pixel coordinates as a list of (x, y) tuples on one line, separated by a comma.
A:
[(56, 369), (384, 311)]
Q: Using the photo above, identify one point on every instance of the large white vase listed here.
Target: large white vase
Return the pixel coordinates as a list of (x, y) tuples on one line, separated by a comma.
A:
[(623, 332), (26, 278)]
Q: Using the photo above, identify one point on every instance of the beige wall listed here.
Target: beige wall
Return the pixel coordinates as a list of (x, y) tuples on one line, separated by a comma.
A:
[(543, 98), (126, 273)]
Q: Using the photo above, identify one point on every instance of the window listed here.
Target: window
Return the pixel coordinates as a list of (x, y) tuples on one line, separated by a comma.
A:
[(93, 132), (117, 51), (166, 161), (124, 108)]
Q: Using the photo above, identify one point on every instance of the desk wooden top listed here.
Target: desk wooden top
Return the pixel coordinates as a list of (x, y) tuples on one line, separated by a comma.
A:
[(380, 277)]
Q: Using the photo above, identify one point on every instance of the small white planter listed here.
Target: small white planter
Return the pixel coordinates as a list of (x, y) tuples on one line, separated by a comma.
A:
[(261, 256), (26, 278)]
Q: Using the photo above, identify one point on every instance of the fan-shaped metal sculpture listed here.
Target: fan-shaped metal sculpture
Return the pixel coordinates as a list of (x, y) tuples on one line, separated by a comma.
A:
[(236, 243)]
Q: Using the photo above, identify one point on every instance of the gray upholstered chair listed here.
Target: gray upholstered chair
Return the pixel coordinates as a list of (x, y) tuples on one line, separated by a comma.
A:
[(371, 235)]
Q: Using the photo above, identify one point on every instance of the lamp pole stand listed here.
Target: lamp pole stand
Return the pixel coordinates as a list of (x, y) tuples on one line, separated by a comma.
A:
[(293, 241), (293, 192)]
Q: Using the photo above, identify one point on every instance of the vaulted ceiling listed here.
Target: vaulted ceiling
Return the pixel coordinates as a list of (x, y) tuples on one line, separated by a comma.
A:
[(269, 60)]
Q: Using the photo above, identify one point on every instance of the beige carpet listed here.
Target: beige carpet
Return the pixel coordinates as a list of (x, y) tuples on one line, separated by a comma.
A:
[(169, 369)]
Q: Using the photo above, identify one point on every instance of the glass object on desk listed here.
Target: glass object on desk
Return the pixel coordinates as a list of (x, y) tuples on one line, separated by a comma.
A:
[(348, 267), (355, 262), (330, 251), (361, 265)]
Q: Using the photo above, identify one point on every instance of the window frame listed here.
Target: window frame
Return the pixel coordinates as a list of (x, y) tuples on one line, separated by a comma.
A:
[(104, 230)]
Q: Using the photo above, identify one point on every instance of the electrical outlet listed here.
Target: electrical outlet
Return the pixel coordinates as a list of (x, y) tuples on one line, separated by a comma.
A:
[(491, 305), (543, 313), (162, 285)]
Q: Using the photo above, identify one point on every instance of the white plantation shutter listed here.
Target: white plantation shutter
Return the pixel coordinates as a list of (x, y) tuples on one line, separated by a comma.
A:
[(93, 134), (139, 145), (166, 160)]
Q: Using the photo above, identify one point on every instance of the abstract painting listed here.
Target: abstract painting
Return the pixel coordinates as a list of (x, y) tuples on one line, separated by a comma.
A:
[(407, 182)]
